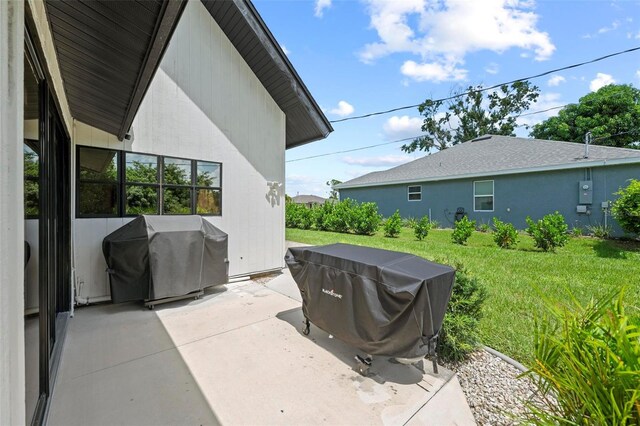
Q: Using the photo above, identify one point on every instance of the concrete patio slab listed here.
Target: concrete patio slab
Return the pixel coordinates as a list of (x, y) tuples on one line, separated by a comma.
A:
[(237, 356)]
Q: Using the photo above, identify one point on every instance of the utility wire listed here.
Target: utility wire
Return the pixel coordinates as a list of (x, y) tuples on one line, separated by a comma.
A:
[(410, 139), (495, 86), (352, 150)]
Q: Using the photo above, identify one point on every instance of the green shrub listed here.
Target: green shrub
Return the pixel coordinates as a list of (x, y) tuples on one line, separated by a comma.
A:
[(298, 216), (422, 228), (587, 365), (340, 216), (434, 224), (484, 228), (321, 216), (409, 222), (305, 217), (576, 232), (505, 234), (626, 209), (459, 336), (365, 219), (291, 215), (549, 232), (599, 231), (393, 225), (463, 230)]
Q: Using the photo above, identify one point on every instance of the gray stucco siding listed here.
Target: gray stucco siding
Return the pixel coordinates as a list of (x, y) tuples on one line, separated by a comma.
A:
[(516, 196)]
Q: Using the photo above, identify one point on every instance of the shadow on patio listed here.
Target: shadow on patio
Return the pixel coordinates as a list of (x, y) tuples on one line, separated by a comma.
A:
[(237, 356)]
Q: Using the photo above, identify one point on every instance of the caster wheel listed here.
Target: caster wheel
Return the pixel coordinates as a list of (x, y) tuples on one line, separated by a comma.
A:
[(306, 331)]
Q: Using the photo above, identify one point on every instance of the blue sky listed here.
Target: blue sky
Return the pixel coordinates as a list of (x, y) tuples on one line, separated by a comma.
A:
[(363, 56)]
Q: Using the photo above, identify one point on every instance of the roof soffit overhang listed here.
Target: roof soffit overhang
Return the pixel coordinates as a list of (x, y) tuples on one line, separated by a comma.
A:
[(243, 26), (108, 52)]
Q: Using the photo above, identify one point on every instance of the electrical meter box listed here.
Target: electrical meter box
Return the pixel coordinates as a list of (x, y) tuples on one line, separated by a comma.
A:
[(585, 194)]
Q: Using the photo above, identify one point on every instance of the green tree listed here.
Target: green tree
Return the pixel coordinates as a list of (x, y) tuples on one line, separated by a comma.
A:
[(612, 115), (331, 183), (626, 209), (478, 114)]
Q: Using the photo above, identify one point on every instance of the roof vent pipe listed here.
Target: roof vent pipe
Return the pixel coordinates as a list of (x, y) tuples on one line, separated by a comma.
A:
[(587, 141)]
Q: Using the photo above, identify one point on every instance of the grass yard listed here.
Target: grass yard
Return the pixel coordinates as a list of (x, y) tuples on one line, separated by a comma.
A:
[(516, 279)]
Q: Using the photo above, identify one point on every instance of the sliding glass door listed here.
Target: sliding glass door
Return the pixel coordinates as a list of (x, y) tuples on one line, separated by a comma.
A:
[(47, 235)]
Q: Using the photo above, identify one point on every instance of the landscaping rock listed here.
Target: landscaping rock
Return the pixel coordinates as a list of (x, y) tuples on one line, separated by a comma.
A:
[(494, 393)]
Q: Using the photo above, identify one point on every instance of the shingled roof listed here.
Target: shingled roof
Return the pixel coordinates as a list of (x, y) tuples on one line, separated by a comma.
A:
[(492, 155)]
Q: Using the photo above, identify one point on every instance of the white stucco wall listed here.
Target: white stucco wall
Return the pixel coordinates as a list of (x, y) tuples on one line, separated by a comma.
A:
[(204, 103), (12, 375)]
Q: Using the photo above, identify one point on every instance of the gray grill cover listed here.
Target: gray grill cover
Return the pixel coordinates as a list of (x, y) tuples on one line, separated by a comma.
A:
[(381, 302), (153, 257)]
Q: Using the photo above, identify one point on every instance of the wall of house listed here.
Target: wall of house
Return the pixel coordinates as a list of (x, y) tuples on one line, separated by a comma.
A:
[(12, 362), (204, 103), (515, 197)]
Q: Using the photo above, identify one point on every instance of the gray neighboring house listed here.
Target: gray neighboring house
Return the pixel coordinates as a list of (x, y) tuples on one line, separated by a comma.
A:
[(309, 200), (505, 177)]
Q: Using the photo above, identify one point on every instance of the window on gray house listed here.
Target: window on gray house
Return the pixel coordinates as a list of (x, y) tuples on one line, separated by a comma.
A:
[(414, 193), (483, 196)]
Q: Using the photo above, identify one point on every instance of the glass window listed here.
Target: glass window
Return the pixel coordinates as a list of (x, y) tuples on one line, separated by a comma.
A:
[(98, 165), (176, 200), (415, 193), (141, 168), (141, 199), (208, 201), (117, 183), (208, 174), (31, 179), (177, 171), (98, 188), (142, 186), (483, 195), (97, 199)]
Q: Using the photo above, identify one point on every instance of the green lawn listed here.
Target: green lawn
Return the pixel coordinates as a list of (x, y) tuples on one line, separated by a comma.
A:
[(517, 278)]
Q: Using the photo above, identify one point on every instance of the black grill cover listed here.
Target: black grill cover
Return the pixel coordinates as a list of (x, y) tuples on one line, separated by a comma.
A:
[(153, 257), (381, 302)]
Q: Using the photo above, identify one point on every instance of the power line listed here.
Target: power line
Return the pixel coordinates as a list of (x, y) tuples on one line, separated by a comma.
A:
[(495, 86), (352, 150), (411, 138)]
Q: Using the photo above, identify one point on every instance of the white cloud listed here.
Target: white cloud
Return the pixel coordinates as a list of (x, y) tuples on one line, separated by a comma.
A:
[(638, 74), (555, 80), (614, 26), (305, 185), (433, 71), (601, 80), (448, 30), (344, 109), (285, 50), (379, 161), (321, 5), (492, 68), (402, 127)]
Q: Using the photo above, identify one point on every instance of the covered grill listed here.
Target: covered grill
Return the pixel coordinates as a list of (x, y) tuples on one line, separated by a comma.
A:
[(381, 302), (156, 257)]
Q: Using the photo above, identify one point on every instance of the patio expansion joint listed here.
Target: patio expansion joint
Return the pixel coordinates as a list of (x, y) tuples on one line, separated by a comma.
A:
[(428, 400)]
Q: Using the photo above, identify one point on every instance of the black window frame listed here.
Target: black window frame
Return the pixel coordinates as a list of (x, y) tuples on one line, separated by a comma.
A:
[(117, 183), (126, 183), (122, 183), (197, 187)]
